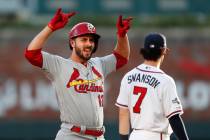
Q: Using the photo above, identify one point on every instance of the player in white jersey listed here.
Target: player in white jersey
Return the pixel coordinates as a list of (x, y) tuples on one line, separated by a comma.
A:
[(79, 79), (148, 98)]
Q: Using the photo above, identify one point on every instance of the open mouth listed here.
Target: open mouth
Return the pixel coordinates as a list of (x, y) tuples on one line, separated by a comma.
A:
[(88, 50)]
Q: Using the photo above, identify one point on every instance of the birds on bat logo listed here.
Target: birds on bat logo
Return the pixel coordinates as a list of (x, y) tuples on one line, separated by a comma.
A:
[(84, 85)]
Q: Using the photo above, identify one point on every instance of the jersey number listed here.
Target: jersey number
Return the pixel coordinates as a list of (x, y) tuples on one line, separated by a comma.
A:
[(136, 91)]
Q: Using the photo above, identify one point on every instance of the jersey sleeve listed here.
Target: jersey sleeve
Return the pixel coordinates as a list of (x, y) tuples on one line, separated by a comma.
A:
[(122, 100), (34, 57), (121, 61), (51, 63), (171, 101), (108, 64)]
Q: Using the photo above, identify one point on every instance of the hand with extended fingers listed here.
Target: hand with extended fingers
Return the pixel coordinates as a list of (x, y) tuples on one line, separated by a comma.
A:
[(60, 19), (123, 25)]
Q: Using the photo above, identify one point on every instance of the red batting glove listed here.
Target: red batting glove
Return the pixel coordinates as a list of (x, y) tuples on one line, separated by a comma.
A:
[(60, 19), (123, 25)]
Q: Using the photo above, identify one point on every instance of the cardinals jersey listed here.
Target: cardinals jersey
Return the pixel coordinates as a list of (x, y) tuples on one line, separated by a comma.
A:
[(79, 88), (151, 97)]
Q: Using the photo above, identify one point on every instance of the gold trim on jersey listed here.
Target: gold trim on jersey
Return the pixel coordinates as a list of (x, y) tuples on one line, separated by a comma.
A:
[(82, 82)]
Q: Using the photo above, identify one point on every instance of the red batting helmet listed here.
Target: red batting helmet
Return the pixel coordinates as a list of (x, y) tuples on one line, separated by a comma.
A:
[(84, 28)]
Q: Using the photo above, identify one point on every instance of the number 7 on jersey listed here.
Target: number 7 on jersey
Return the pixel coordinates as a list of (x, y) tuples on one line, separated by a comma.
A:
[(139, 90)]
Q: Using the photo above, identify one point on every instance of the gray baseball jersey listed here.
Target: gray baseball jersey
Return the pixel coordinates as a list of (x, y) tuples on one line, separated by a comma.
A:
[(79, 88)]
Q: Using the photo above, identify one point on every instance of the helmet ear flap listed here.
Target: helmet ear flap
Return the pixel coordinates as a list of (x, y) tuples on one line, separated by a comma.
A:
[(96, 45), (70, 45)]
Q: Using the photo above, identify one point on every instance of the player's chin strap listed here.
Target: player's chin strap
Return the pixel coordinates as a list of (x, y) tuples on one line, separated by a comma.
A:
[(124, 137)]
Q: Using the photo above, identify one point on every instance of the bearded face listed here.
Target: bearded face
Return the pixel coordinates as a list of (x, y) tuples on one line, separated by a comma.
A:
[(84, 53), (84, 46)]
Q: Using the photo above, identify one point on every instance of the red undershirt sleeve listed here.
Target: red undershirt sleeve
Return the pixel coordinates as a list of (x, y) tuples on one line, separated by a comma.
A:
[(34, 57), (121, 61)]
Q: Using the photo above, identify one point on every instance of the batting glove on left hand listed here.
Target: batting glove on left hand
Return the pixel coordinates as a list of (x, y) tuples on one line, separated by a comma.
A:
[(123, 25), (60, 19)]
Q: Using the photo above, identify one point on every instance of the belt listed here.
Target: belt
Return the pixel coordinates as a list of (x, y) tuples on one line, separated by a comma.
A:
[(84, 131)]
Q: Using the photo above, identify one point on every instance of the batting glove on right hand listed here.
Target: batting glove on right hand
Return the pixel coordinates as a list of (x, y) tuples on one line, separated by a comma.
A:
[(60, 19), (123, 25)]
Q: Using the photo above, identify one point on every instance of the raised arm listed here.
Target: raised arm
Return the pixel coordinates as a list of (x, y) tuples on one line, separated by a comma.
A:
[(123, 47), (40, 39), (59, 20), (33, 51)]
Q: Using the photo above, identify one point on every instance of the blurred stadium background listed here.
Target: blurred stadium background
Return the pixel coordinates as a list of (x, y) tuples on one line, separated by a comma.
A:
[(28, 108)]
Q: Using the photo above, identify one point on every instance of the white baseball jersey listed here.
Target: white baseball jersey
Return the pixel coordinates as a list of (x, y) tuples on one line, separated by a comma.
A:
[(79, 88), (151, 97)]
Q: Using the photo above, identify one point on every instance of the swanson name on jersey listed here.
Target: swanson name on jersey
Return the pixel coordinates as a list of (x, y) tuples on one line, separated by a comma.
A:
[(143, 78)]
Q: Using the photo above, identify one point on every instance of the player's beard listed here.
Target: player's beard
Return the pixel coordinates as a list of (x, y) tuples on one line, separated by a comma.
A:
[(82, 54)]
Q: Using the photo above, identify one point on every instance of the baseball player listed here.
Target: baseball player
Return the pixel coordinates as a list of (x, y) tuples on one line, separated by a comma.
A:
[(148, 97), (79, 79)]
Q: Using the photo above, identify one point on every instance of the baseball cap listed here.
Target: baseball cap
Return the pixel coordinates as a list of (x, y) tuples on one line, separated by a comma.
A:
[(155, 40)]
